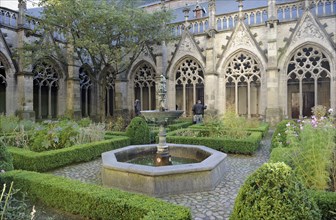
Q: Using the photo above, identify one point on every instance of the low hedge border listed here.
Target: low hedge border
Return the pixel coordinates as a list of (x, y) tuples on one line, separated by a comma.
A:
[(242, 146), (48, 160), (263, 128), (92, 201), (179, 125)]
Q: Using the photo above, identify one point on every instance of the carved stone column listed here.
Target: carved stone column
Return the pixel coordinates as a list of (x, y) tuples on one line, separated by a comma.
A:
[(24, 76), (273, 110)]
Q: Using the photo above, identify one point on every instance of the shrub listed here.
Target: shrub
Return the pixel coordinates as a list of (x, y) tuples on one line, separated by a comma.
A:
[(84, 122), (279, 138), (326, 201), (92, 201), (138, 131), (6, 159), (91, 133), (273, 192)]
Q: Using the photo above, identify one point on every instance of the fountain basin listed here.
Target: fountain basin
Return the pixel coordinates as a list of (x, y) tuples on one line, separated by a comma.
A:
[(163, 180), (161, 116)]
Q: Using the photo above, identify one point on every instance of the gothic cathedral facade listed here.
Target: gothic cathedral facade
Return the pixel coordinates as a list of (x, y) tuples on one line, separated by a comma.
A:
[(273, 61)]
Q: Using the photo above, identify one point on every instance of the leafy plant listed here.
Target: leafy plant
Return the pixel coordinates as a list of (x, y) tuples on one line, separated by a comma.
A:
[(13, 204), (6, 159), (8, 124), (274, 192), (91, 133)]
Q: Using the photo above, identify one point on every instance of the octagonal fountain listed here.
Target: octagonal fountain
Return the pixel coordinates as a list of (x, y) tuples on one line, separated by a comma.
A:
[(164, 168)]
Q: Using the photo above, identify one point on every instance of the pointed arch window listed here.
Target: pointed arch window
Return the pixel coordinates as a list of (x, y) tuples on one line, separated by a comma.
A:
[(3, 85), (189, 85), (243, 81), (85, 90), (46, 81), (109, 98), (144, 86), (308, 81)]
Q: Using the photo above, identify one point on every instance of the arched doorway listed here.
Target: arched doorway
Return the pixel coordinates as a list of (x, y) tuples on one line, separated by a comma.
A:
[(46, 81), (243, 83), (85, 91), (308, 81), (3, 85), (189, 85), (144, 86)]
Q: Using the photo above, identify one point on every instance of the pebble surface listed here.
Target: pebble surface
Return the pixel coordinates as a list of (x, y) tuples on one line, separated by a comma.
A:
[(210, 205)]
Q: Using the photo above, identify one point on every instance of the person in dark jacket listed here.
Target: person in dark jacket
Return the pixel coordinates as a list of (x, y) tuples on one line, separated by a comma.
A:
[(137, 107), (198, 110)]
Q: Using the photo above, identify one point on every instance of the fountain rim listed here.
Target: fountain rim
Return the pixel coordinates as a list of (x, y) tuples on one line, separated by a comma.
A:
[(110, 162)]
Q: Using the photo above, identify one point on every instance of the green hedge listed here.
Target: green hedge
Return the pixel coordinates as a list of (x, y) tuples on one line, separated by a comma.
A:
[(44, 161), (263, 128), (326, 201), (242, 146), (92, 201), (179, 125)]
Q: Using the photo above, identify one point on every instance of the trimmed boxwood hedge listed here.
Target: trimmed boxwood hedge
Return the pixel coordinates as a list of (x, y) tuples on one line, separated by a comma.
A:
[(242, 146), (263, 128), (48, 160), (92, 201), (179, 125)]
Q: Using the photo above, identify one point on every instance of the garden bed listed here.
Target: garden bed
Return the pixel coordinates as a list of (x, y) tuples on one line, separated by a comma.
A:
[(246, 145), (48, 160)]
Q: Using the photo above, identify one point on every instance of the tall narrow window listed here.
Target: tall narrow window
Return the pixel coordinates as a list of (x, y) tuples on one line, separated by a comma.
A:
[(85, 90), (45, 90), (3, 84), (243, 77), (308, 81), (189, 85), (144, 86), (109, 99)]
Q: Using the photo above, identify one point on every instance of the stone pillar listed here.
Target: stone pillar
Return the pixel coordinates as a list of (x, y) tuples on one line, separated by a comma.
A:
[(24, 76), (73, 99), (120, 97), (273, 110), (211, 75)]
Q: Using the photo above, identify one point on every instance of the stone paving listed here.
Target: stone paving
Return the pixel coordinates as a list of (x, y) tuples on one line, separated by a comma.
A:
[(214, 204)]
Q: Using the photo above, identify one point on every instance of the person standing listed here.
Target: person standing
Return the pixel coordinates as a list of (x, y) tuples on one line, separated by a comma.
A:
[(198, 110), (137, 107)]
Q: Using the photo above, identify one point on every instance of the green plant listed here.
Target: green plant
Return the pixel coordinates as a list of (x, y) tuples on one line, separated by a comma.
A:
[(54, 135), (6, 159), (13, 204), (91, 133), (326, 201), (274, 192), (8, 124), (84, 122), (319, 111), (138, 131), (279, 138)]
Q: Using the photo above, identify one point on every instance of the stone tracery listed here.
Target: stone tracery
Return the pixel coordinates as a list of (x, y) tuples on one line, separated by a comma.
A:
[(310, 69), (46, 81), (189, 81), (243, 71), (85, 87), (144, 86)]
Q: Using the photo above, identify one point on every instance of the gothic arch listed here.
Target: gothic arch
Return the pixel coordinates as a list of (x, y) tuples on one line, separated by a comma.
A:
[(85, 83), (189, 83), (108, 77), (307, 77), (46, 80), (243, 77), (143, 85)]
